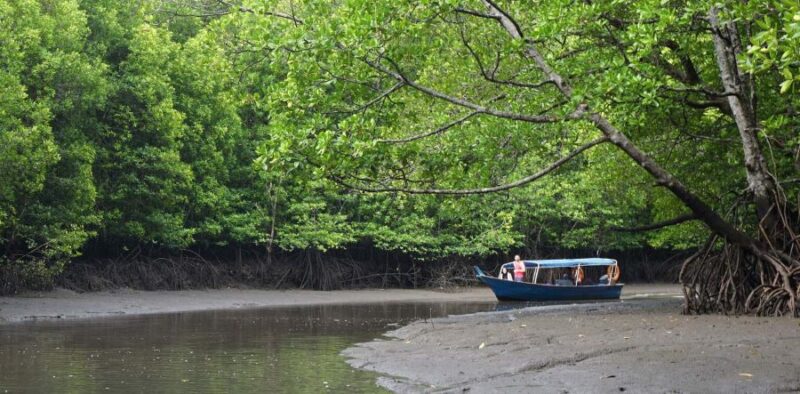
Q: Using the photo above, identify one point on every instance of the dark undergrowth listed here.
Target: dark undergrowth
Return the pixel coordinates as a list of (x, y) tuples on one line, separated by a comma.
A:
[(302, 270)]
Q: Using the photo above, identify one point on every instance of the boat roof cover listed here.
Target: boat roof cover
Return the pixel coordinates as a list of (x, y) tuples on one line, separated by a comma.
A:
[(565, 263)]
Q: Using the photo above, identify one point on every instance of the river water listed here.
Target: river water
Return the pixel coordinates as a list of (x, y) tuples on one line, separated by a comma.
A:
[(288, 349)]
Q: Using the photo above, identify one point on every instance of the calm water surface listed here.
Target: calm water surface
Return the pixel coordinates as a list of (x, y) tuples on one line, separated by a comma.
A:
[(292, 349)]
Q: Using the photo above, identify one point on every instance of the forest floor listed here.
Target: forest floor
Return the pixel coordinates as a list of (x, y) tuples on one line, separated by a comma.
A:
[(642, 344)]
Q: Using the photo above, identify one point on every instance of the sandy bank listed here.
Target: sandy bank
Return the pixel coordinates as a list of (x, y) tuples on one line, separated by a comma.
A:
[(64, 304), (639, 345)]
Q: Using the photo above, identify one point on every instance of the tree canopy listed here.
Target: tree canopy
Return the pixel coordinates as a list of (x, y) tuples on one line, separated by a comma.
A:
[(433, 128)]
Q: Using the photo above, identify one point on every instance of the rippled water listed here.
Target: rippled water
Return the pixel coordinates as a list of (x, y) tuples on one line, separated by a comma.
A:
[(292, 349)]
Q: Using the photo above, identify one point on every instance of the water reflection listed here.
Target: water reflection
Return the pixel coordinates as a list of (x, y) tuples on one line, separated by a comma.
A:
[(511, 305), (269, 350)]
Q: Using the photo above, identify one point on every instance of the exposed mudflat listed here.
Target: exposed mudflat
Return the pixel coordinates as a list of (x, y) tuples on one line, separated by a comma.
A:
[(642, 344), (65, 304)]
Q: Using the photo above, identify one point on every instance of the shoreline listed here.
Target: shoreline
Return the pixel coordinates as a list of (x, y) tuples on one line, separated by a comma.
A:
[(642, 344), (61, 304)]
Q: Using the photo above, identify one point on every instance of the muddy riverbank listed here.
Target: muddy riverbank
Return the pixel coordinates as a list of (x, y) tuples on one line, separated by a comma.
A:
[(65, 304), (642, 344)]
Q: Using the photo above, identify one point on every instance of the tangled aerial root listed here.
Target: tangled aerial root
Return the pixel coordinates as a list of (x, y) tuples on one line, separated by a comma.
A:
[(762, 278), (730, 279)]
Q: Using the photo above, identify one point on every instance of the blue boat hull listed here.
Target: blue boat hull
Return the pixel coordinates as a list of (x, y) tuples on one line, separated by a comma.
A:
[(506, 290)]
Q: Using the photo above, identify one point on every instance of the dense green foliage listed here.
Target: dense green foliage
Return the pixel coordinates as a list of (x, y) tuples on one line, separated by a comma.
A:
[(173, 125)]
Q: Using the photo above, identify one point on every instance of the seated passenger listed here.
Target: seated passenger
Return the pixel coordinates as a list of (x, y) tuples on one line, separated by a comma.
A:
[(564, 282)]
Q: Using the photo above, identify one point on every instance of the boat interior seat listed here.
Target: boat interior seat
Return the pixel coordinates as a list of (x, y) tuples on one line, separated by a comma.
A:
[(564, 282)]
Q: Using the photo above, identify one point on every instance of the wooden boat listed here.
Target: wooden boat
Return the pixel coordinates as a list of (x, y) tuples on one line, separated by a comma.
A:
[(540, 284)]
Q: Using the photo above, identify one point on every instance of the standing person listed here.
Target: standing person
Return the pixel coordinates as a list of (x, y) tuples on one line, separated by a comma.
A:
[(519, 269)]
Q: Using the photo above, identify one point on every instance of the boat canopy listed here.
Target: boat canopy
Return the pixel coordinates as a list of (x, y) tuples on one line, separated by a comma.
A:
[(564, 263)]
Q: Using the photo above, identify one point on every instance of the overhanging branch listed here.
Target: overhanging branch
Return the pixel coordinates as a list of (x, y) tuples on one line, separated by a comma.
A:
[(703, 211), (248, 10), (577, 114), (438, 130), (491, 76), (370, 102), (654, 226), (524, 181), (475, 13)]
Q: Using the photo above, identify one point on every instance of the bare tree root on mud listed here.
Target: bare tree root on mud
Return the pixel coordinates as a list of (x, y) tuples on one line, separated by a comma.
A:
[(762, 280), (305, 270), (315, 271), (451, 273)]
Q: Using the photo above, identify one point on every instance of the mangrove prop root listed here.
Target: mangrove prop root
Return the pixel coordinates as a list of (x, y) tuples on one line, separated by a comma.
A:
[(732, 280), (727, 278)]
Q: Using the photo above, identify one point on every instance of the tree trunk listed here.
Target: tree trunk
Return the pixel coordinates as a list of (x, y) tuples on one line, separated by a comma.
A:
[(739, 90)]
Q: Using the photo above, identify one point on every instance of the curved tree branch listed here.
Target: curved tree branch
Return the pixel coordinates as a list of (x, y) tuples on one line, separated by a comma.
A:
[(439, 130), (577, 114), (524, 181), (654, 226), (475, 13), (248, 10), (490, 76), (370, 102)]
